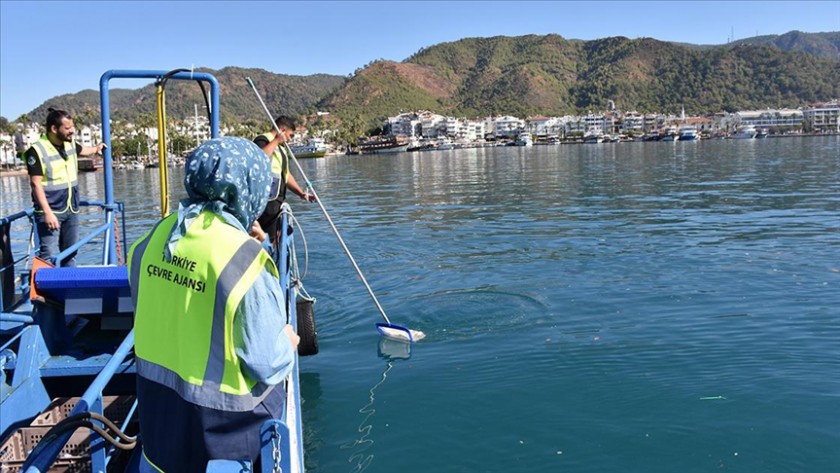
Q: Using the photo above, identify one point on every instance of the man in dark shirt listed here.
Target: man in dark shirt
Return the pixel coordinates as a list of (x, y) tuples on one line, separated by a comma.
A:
[(53, 176)]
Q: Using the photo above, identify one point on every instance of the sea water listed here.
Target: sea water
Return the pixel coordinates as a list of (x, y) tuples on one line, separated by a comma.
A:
[(634, 307)]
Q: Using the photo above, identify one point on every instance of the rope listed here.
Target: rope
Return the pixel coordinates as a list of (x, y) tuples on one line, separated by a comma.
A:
[(117, 238), (297, 277)]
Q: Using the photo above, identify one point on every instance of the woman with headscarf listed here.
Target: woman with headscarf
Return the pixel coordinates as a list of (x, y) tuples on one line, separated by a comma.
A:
[(210, 339)]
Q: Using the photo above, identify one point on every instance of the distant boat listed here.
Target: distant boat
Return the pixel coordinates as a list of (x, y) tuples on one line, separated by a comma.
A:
[(762, 133), (652, 135), (744, 132), (689, 133), (444, 144), (414, 145), (524, 139), (382, 146), (670, 134), (593, 135), (315, 148), (89, 164)]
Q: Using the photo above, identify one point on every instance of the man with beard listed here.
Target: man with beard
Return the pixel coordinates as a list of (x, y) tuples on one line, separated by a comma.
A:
[(53, 169)]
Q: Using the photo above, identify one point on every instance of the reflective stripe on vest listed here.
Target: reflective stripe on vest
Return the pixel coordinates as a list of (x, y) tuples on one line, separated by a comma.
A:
[(185, 309), (279, 169), (60, 175)]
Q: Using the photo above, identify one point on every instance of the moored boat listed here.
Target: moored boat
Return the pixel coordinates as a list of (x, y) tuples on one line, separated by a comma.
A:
[(524, 139), (314, 148), (382, 146), (89, 164), (689, 133), (444, 143), (593, 135), (670, 134), (744, 132)]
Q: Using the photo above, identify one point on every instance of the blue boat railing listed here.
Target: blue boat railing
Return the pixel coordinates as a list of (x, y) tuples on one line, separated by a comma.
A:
[(45, 454)]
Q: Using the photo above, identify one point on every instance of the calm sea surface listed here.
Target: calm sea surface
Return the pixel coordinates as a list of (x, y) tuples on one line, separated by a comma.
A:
[(633, 307)]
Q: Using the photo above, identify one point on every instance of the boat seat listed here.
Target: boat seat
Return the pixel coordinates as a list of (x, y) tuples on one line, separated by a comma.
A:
[(87, 289)]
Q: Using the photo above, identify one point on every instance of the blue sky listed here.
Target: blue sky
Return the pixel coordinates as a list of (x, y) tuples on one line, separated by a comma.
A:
[(52, 48)]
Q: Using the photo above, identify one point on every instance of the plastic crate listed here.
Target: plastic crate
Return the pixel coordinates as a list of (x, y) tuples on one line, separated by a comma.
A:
[(115, 408), (75, 456)]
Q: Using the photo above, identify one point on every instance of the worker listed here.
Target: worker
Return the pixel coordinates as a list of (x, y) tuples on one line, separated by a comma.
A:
[(53, 170), (274, 144), (211, 342)]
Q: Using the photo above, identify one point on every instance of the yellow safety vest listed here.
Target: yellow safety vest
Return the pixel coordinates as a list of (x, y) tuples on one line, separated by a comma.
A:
[(185, 309), (279, 168), (60, 181)]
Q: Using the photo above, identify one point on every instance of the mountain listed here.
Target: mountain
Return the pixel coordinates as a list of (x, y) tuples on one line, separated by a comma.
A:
[(825, 45), (521, 76), (286, 94), (550, 75)]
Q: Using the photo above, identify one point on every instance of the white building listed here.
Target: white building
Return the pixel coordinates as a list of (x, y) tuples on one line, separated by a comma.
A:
[(431, 124), (771, 118), (595, 122), (503, 127), (633, 123), (546, 126), (823, 117), (404, 124)]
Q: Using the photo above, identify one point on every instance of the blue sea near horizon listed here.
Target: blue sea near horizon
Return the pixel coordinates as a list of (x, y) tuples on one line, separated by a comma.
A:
[(651, 307)]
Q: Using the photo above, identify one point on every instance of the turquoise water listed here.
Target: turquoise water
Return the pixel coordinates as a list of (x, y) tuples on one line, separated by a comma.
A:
[(649, 307)]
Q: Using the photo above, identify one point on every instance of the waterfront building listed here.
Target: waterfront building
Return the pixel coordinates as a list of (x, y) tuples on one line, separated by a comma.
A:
[(405, 124), (545, 126), (771, 118), (431, 124), (475, 130), (654, 121), (633, 123), (823, 117), (704, 125), (504, 126), (599, 122)]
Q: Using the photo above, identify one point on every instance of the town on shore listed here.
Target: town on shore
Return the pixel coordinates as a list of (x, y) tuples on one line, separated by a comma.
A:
[(425, 130)]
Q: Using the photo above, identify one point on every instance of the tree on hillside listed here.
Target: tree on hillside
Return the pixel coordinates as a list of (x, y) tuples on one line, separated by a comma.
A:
[(7, 127)]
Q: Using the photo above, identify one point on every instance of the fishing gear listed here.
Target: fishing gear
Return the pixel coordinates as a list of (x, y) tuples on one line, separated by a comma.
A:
[(387, 328)]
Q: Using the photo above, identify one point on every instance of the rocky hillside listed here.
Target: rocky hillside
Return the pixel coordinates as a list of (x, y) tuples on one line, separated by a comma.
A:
[(550, 75)]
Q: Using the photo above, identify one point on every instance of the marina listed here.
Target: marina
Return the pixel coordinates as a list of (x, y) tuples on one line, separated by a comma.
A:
[(652, 307)]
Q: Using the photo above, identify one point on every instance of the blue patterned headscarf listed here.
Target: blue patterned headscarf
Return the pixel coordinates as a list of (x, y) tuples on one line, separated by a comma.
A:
[(229, 176)]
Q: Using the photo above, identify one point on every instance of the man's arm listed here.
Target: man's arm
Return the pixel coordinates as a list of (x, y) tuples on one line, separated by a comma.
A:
[(89, 150), (292, 184)]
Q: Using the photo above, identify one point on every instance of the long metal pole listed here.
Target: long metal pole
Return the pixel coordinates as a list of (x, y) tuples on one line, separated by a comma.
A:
[(323, 209)]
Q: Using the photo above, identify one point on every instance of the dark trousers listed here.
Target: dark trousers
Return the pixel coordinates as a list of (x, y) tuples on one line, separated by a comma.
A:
[(270, 219), (181, 437), (54, 241)]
